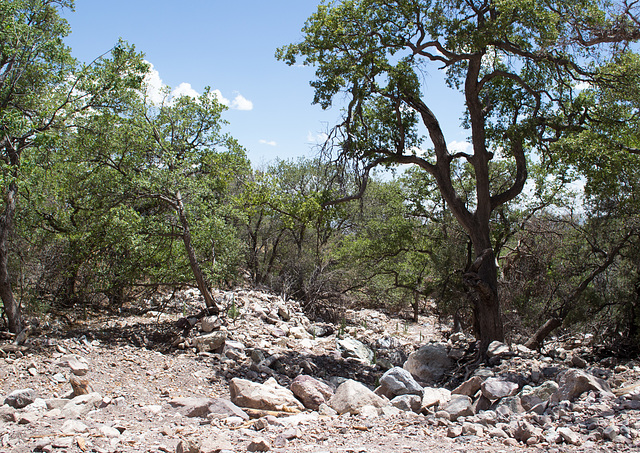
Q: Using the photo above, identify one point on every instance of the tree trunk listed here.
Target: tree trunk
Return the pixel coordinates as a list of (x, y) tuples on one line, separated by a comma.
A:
[(193, 261), (11, 307), (536, 340), (482, 280)]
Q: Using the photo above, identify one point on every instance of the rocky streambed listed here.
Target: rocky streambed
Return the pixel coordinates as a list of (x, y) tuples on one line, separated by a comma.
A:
[(269, 379)]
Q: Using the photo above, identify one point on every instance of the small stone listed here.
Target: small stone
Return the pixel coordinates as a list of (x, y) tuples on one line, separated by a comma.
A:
[(570, 436), (454, 431), (578, 362), (472, 429), (259, 444), (398, 381), (497, 432), (74, 427), (497, 349), (210, 323)]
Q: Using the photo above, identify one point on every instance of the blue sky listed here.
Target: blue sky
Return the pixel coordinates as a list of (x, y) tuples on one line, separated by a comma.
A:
[(230, 46)]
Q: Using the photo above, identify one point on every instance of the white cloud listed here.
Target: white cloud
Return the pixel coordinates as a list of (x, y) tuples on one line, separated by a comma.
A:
[(184, 89), (317, 138), (157, 92), (241, 103), (459, 147), (155, 89), (268, 142), (217, 94)]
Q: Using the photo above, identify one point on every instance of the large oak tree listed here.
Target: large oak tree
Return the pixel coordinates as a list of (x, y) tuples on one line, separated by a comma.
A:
[(519, 65)]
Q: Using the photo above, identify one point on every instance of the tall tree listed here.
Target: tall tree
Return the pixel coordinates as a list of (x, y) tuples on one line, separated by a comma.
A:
[(517, 64), (42, 90)]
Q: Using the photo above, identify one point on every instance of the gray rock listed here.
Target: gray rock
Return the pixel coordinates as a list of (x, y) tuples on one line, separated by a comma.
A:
[(352, 348), (510, 404), (20, 398), (429, 363), (398, 381), (202, 407), (210, 323), (498, 349), (320, 330), (7, 413), (459, 406), (109, 431), (454, 431), (472, 429), (532, 396), (311, 391), (408, 403), (496, 388), (573, 383), (497, 432), (352, 396), (81, 405), (267, 396), (578, 362), (211, 342)]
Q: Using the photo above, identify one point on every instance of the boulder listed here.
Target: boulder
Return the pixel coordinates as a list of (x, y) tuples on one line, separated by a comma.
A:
[(311, 391), (435, 397), (398, 381), (210, 323), (210, 342), (202, 407), (267, 396), (469, 387), (532, 396), (429, 363), (573, 383), (496, 388), (509, 405), (352, 396), (458, 406), (78, 365), (20, 398), (497, 349), (352, 348), (407, 403)]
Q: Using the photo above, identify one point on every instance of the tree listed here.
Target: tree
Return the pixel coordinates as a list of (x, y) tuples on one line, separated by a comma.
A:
[(517, 64), (42, 91), (150, 186)]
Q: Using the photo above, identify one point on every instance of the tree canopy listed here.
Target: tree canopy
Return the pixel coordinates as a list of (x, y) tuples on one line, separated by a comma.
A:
[(519, 65)]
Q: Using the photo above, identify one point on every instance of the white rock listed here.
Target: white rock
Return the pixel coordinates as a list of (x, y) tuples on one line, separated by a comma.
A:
[(267, 396), (570, 436), (429, 363), (435, 397), (351, 396)]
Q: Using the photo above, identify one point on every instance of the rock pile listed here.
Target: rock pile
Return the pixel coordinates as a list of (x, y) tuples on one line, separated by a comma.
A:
[(269, 379)]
